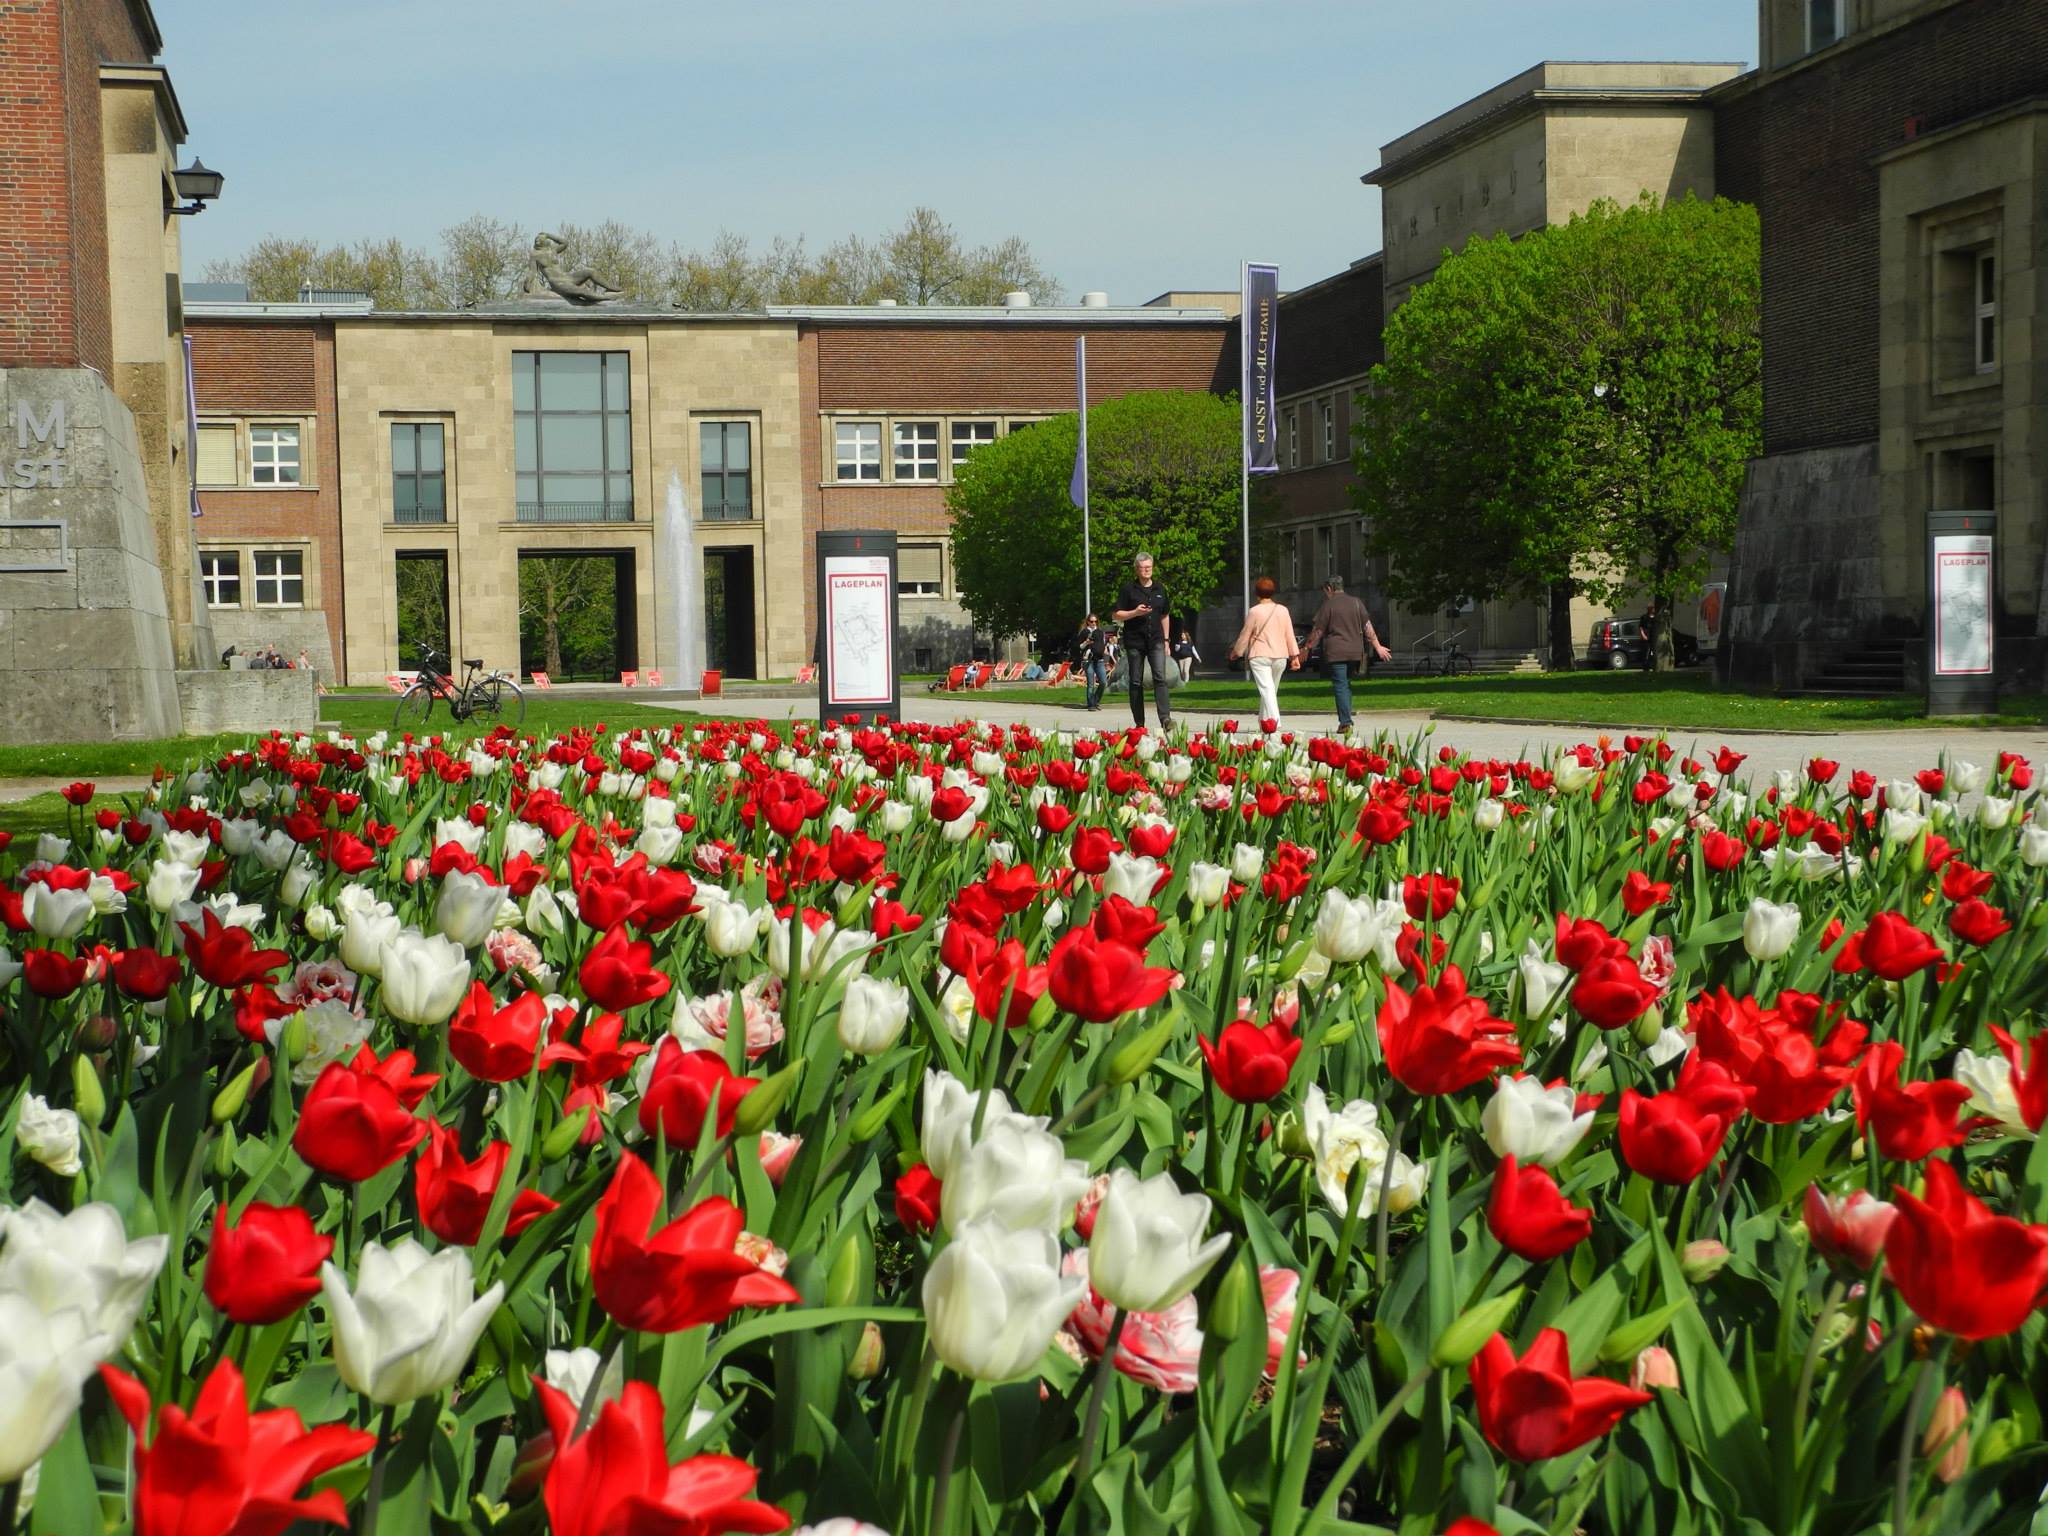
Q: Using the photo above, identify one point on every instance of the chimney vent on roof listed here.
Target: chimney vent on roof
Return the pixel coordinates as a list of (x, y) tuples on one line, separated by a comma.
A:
[(1095, 300), (1016, 298)]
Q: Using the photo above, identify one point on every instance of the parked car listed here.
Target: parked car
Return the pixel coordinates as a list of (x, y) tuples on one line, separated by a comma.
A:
[(1619, 643)]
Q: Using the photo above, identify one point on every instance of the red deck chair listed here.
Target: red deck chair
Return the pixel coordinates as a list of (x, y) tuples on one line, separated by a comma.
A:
[(541, 680)]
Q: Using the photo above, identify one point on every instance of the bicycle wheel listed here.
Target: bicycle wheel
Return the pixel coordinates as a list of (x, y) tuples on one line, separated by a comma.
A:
[(499, 700), (414, 705), (1458, 664)]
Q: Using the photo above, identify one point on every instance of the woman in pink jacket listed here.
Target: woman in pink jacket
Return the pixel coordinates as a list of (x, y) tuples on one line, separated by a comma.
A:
[(1267, 640)]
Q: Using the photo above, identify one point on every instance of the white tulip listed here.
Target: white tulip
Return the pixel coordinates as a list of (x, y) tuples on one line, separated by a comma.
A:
[(1246, 863), (1903, 795), (170, 884), (1146, 1251), (56, 914), (1350, 1138), (993, 1299), (238, 836), (1532, 1123), (333, 1032), (408, 1327), (1967, 778), (425, 977), (1769, 929), (190, 847), (1347, 928), (872, 1014), (45, 1359), (322, 926), (274, 849), (660, 844), (9, 966), (1994, 811), (894, 815), (1989, 1079), (956, 1008), (1132, 877), (570, 1371), (80, 1259), (1488, 814), (522, 837), (1207, 883), (2034, 846), (50, 1136), (467, 908), (233, 912), (1017, 1173), (1573, 775), (946, 1129), (544, 913), (1902, 826), (365, 935)]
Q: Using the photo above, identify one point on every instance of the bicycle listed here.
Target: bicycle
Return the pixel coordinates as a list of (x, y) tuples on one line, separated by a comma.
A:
[(493, 697), (1451, 660)]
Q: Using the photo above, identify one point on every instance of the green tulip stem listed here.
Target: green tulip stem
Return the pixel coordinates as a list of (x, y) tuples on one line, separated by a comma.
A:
[(1098, 1391), (1326, 1506), (1244, 1152), (943, 1488), (920, 1392), (593, 1393), (375, 1496), (1800, 1401), (1729, 1171), (700, 1173), (1379, 1216), (1082, 1105), (1923, 1390)]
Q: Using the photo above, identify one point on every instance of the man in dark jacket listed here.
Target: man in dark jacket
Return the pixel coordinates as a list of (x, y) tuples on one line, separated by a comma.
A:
[(1147, 617), (1345, 630)]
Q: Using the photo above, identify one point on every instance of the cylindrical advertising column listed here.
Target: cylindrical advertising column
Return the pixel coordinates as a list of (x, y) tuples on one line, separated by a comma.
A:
[(1961, 604), (857, 668)]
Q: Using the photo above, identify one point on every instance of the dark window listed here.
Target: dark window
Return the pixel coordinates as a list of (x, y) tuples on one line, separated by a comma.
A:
[(422, 607), (221, 571), (572, 430), (280, 578), (727, 455), (419, 478)]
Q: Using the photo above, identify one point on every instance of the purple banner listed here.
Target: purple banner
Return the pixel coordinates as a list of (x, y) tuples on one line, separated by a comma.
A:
[(1077, 487), (1260, 322)]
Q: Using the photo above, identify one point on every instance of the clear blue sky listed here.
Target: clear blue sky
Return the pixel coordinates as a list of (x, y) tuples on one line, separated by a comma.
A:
[(1138, 145)]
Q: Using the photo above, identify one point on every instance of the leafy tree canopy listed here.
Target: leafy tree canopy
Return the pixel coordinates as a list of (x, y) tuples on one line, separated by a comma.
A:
[(482, 259), (1163, 477), (1570, 410)]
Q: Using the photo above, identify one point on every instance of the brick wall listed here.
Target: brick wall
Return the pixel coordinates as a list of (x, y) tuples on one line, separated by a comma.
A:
[(1800, 145), (1009, 367), (53, 239), (1331, 331), (251, 368)]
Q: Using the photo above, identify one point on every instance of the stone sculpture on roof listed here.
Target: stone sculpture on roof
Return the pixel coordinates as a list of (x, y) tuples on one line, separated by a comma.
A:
[(553, 272)]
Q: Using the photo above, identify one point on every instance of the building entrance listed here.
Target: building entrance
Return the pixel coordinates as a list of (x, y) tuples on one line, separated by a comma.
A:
[(729, 611), (577, 616)]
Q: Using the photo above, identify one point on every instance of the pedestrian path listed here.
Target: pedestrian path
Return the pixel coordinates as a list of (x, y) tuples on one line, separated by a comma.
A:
[(112, 784)]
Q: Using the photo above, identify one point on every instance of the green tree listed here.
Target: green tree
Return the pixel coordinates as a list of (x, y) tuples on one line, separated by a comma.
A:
[(1163, 477), (567, 614), (1570, 412)]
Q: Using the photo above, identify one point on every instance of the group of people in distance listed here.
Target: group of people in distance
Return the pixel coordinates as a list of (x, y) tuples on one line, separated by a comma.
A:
[(267, 657), (1266, 643)]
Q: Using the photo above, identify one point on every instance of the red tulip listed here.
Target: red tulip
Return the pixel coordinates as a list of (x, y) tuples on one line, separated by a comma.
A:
[(1639, 893), (1963, 1269), (1533, 1408), (1672, 1136), (1774, 1052), (352, 1125), (598, 1056), (1251, 1062), (266, 1267), (224, 1471), (454, 1196), (1895, 949), (52, 975), (1722, 852), (1975, 921), (680, 1091), (682, 1275), (614, 1479), (618, 973), (496, 1045), (1091, 848), (1849, 1230), (1613, 992), (145, 975), (1429, 898), (917, 1198), (2029, 1078), (887, 917), (1530, 1217), (1007, 976), (1912, 1120), (1582, 942), (1100, 980), (1120, 920), (1439, 1038), (396, 1072), (228, 957)]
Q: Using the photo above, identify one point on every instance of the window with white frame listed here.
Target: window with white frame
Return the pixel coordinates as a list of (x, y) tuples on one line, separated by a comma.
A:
[(1329, 429), (920, 570), (917, 450), (968, 436), (273, 454), (1293, 438), (1986, 295), (1825, 23), (280, 578), (857, 450), (220, 571)]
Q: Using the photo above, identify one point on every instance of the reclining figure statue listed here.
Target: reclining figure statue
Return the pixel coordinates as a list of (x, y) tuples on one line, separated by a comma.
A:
[(553, 273)]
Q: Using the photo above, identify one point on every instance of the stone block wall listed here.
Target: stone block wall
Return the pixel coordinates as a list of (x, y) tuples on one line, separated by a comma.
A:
[(256, 702)]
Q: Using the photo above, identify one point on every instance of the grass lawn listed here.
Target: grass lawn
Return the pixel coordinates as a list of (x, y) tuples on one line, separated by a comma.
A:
[(1677, 701)]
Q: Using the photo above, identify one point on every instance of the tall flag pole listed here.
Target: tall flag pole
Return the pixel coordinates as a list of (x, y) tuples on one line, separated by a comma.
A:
[(1258, 322), (1077, 489)]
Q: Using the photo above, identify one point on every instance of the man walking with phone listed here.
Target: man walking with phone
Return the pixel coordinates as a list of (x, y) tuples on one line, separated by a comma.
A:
[(1147, 619), (1345, 629)]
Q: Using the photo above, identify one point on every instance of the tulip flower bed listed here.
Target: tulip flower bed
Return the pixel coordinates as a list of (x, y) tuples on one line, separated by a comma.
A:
[(956, 1130)]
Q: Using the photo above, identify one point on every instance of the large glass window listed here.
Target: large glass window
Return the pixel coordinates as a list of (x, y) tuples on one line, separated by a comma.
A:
[(1987, 311), (221, 572), (274, 455), (917, 450), (572, 437), (280, 578), (419, 476), (968, 436), (726, 452), (857, 450), (1823, 24)]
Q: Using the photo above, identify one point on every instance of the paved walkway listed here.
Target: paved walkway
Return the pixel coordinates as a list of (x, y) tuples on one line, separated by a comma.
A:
[(1888, 754), (111, 784)]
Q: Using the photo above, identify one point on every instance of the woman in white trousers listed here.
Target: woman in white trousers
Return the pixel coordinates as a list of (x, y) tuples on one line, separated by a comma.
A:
[(1267, 643)]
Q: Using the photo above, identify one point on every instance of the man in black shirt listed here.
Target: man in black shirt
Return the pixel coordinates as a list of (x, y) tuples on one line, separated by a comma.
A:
[(1147, 619)]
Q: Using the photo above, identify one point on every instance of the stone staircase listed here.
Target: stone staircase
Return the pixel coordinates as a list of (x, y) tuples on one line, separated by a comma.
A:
[(1865, 670)]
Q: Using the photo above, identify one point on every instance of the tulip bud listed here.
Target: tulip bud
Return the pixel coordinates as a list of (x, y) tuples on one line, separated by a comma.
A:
[(1468, 1335), (1654, 1367), (564, 1135), (757, 1110), (98, 1033), (2001, 1440), (229, 1101), (865, 1364), (224, 1153), (1703, 1260), (1290, 1140), (849, 913), (864, 1125), (87, 1097), (530, 1466), (1649, 1026), (1295, 958), (1339, 1032), (1226, 1310), (850, 1272), (1042, 1012), (1129, 1061), (1948, 1435), (296, 1037)]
